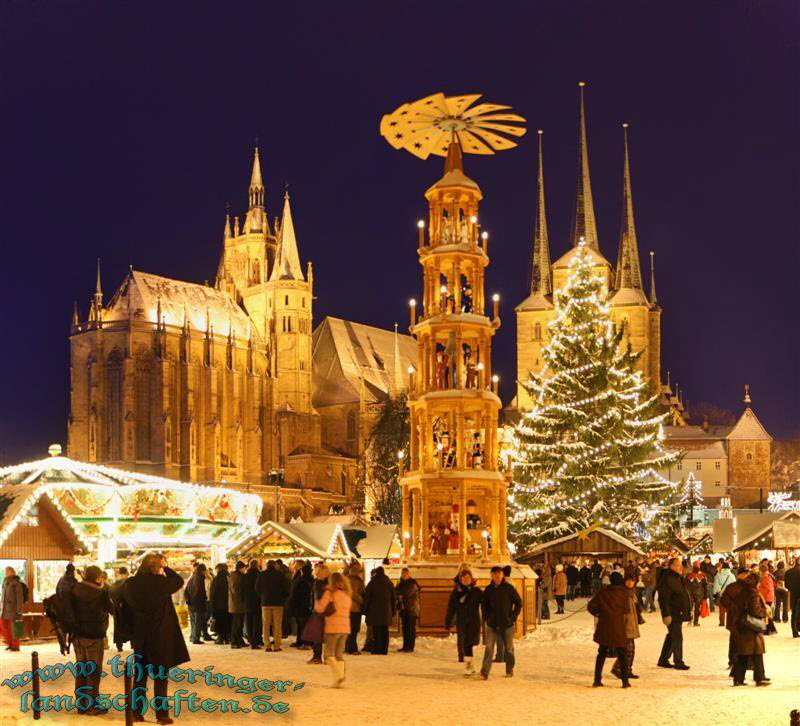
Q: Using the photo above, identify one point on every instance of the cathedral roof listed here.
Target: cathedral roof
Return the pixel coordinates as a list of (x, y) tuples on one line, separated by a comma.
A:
[(347, 353), (596, 257), (535, 301), (629, 296), (141, 293)]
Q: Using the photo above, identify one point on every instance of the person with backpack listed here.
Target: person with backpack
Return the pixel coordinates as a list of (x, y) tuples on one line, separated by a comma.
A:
[(67, 581), (13, 599), (722, 579), (91, 604)]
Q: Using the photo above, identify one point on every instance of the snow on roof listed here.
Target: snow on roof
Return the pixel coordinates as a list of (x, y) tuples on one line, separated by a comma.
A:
[(748, 428), (713, 451), (535, 301), (141, 292), (629, 296), (345, 353), (679, 433), (750, 529), (607, 532), (378, 542), (596, 257), (320, 539)]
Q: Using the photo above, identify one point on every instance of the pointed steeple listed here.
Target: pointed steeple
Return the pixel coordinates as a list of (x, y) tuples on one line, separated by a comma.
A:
[(583, 223), (454, 160), (629, 273), (287, 258), (541, 279), (226, 232), (653, 298), (75, 319), (98, 289), (256, 191)]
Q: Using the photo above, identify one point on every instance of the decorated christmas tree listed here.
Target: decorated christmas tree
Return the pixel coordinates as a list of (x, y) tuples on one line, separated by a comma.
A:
[(691, 499), (589, 452)]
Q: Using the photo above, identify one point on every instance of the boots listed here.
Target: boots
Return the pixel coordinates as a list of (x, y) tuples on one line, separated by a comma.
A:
[(470, 671), (599, 662), (337, 668)]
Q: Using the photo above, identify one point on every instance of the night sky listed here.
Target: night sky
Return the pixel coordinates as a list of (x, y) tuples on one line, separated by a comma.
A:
[(127, 126)]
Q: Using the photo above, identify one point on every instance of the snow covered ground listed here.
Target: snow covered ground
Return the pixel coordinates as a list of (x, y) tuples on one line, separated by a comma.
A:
[(552, 684)]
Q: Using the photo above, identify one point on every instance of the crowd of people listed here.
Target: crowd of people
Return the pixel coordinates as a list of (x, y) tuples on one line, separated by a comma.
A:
[(750, 601), (258, 607)]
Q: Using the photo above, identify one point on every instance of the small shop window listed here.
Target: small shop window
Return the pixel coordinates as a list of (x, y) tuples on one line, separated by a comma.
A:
[(46, 574), (20, 567)]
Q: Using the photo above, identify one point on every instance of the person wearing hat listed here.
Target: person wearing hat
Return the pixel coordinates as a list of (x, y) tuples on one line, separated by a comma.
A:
[(67, 581), (610, 606), (560, 588), (501, 605), (236, 604)]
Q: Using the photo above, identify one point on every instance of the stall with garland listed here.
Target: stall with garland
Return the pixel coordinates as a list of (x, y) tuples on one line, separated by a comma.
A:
[(119, 515), (602, 544), (294, 540), (776, 540)]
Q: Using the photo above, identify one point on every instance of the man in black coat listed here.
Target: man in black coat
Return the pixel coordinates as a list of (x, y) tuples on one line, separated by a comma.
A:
[(792, 583), (236, 604), (196, 600), (573, 577), (67, 581), (501, 605), (92, 605), (157, 637), (676, 609), (380, 608), (252, 606), (123, 620), (273, 591), (301, 601)]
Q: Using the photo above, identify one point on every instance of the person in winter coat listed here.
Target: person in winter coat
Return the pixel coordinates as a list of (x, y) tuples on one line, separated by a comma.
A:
[(194, 594), (573, 577), (610, 606), (709, 570), (632, 619), (301, 601), (407, 593), (355, 574), (218, 594), (157, 638), (13, 601), (236, 604), (122, 616), (649, 580), (335, 604), (792, 582), (501, 605), (728, 602), (67, 581), (380, 608), (722, 579), (321, 576), (252, 606), (781, 614), (586, 580), (696, 587), (92, 605), (464, 609), (675, 604), (597, 574), (749, 644), (544, 584), (273, 591), (560, 588), (766, 588)]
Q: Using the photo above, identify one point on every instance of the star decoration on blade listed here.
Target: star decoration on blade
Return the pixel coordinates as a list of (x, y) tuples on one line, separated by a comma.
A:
[(427, 126)]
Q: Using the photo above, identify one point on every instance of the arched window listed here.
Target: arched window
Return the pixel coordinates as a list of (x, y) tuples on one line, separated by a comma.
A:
[(749, 456), (537, 331), (351, 425), (143, 404)]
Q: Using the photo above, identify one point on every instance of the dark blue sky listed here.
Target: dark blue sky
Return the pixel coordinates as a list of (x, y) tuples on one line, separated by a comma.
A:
[(127, 126)]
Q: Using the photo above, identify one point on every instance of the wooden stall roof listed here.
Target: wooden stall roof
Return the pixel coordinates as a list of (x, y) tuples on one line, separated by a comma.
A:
[(782, 532), (310, 539), (597, 542)]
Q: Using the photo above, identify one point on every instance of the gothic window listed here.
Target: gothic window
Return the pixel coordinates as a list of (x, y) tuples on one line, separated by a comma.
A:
[(168, 441), (537, 331), (288, 325), (143, 407), (351, 425), (302, 365), (749, 456), (92, 436), (114, 406), (192, 443), (344, 482), (287, 301)]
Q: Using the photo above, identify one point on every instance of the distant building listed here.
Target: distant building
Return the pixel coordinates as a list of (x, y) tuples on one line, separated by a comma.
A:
[(230, 382)]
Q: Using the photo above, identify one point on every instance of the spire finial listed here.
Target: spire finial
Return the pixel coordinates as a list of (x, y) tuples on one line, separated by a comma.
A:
[(98, 289), (629, 273), (256, 191), (653, 298), (75, 320), (541, 281), (287, 257), (583, 223), (747, 398), (454, 160)]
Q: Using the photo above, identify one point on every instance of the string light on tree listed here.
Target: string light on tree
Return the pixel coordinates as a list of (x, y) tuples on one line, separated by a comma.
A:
[(591, 448)]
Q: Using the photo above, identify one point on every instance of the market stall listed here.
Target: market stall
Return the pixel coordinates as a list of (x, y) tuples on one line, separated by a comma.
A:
[(288, 541), (603, 544)]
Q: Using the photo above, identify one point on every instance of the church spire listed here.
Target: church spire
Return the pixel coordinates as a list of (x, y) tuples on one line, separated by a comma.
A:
[(629, 273), (653, 298), (226, 232), (256, 191), (583, 223), (287, 258), (98, 289), (541, 281)]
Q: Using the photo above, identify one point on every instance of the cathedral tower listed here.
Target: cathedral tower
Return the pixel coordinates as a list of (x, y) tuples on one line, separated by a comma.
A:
[(454, 497)]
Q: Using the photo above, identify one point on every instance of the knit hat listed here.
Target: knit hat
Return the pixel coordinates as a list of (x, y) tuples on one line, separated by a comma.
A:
[(559, 568)]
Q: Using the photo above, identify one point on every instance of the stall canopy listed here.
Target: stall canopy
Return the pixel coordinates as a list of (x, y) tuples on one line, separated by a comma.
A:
[(781, 533), (322, 540), (597, 543), (128, 511), (731, 534)]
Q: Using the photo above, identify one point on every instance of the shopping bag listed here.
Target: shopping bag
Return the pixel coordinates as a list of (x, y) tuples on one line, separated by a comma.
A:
[(18, 629), (704, 610), (314, 629)]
